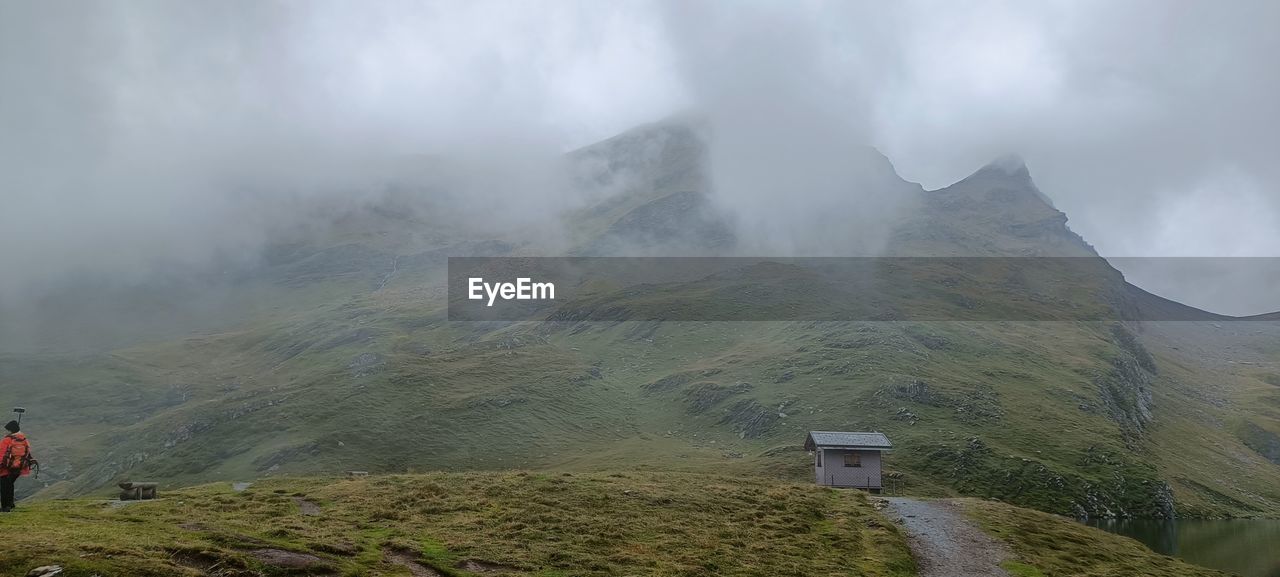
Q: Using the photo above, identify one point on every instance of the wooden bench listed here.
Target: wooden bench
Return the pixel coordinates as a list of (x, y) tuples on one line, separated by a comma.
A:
[(138, 491)]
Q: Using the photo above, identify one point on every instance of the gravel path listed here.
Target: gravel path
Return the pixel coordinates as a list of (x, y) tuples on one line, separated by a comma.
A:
[(944, 543)]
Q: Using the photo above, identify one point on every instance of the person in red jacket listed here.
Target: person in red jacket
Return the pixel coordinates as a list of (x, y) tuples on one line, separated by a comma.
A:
[(15, 461)]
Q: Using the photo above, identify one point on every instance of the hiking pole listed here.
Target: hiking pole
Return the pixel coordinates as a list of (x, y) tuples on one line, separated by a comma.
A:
[(19, 411)]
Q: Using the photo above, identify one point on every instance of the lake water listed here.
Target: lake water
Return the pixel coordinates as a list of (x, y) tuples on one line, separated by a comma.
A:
[(1248, 547)]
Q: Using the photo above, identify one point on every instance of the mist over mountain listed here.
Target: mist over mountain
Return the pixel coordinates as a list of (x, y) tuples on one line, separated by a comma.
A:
[(180, 136), (226, 233), (233, 371)]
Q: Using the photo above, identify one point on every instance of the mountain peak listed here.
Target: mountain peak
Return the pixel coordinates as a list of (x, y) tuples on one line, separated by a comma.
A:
[(1011, 170), (1011, 163)]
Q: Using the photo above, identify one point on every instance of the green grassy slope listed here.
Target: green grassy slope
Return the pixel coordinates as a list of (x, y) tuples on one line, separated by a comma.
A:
[(528, 523), (542, 524), (1047, 546), (1033, 413)]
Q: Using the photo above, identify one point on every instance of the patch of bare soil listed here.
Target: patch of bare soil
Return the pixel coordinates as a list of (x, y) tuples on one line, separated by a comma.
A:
[(410, 561), (209, 562), (478, 566), (282, 559), (945, 543), (342, 548)]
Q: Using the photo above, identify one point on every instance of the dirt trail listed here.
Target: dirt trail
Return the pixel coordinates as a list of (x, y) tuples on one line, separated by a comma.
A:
[(944, 542)]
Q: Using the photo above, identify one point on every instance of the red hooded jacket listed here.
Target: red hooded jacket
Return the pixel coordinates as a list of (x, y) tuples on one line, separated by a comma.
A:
[(15, 456)]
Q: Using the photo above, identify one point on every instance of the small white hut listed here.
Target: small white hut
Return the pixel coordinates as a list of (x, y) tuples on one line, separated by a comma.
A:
[(847, 459)]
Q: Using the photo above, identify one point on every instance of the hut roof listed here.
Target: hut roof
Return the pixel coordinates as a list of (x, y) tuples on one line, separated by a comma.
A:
[(847, 440)]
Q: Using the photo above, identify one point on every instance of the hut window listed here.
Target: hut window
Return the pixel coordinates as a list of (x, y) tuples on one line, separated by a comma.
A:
[(852, 460), (819, 457)]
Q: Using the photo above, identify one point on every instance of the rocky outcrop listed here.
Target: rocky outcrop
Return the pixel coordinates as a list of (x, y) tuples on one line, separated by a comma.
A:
[(977, 405), (1119, 489), (1124, 391), (750, 419), (701, 397)]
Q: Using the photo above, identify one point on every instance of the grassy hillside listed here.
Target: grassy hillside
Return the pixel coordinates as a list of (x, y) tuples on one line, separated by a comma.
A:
[(1047, 546), (542, 524), (1057, 416), (528, 523)]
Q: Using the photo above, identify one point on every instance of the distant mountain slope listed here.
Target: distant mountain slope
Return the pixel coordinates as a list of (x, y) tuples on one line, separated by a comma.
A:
[(345, 361), (996, 211)]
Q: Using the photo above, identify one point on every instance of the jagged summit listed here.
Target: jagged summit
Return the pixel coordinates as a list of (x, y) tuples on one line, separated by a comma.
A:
[(661, 200), (1010, 169), (997, 210), (1011, 163)]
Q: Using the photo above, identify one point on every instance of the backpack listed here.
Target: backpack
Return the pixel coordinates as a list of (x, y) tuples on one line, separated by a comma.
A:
[(18, 456)]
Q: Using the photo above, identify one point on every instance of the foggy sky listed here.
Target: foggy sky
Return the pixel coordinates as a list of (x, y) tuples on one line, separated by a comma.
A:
[(134, 134)]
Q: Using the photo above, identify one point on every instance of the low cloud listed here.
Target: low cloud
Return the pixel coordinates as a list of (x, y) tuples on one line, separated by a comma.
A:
[(134, 136)]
